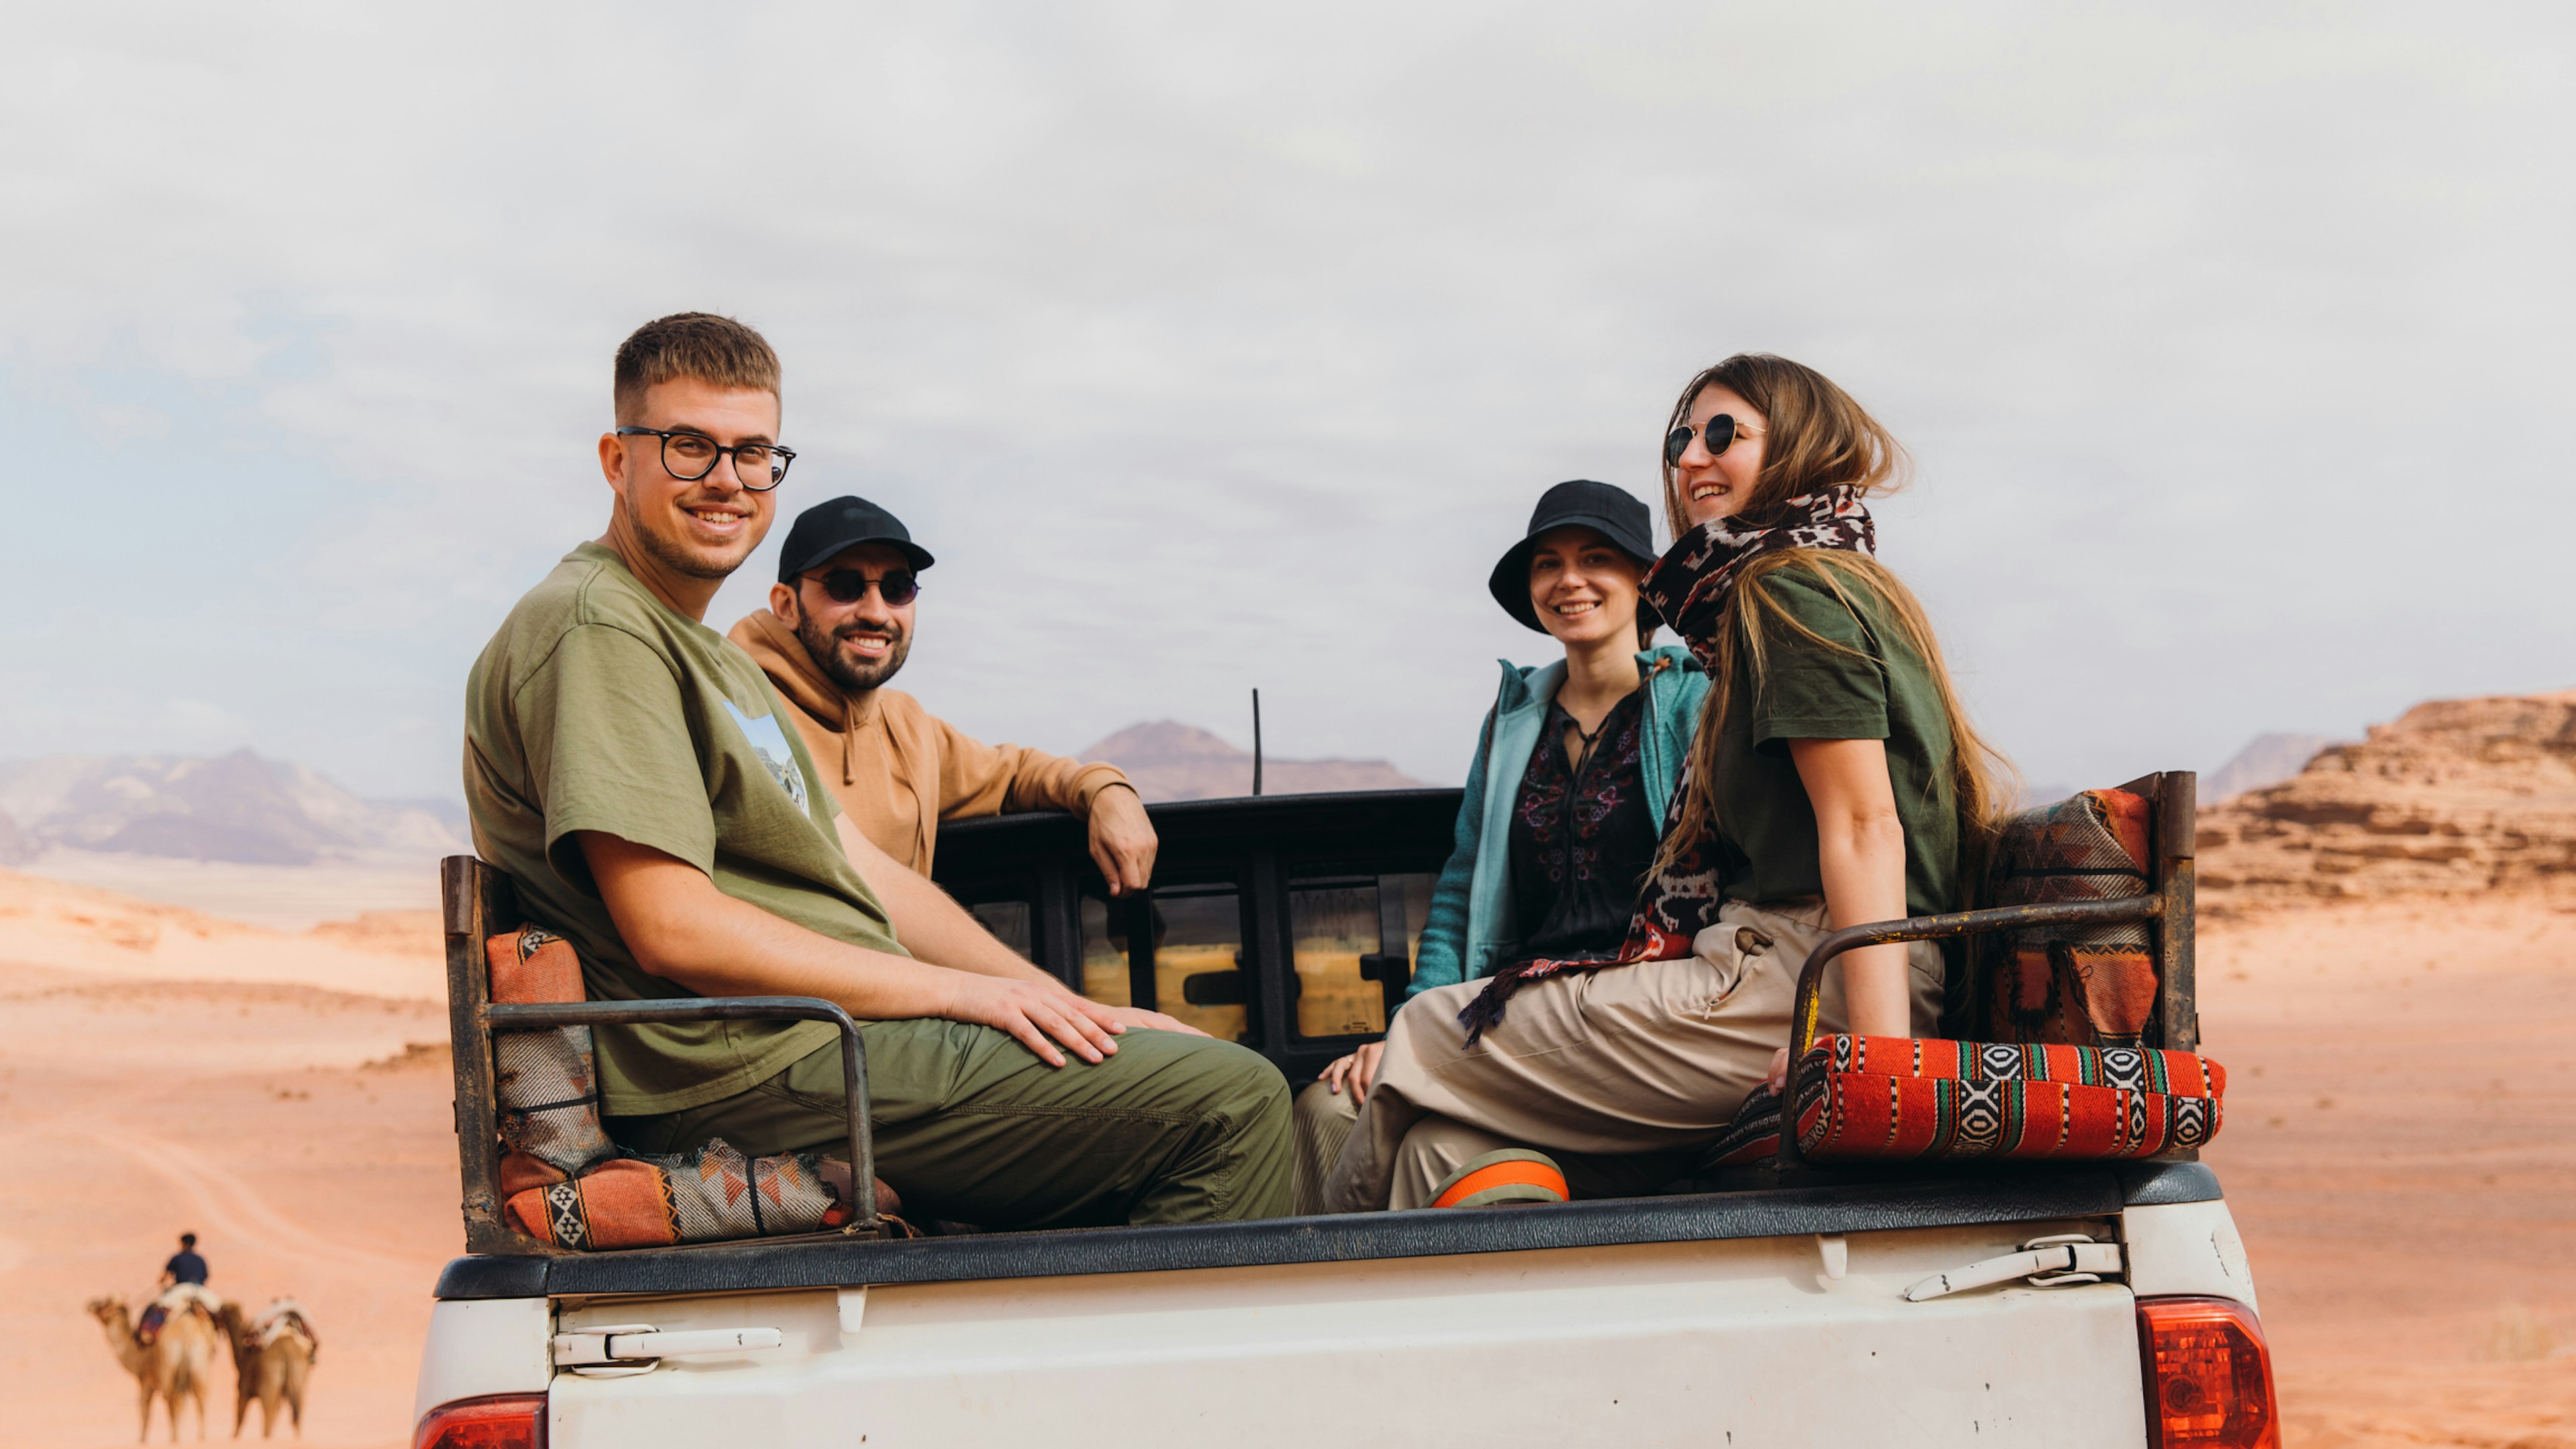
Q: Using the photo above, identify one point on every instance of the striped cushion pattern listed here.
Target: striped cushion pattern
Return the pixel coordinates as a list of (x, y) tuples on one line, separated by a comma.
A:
[(1898, 1097)]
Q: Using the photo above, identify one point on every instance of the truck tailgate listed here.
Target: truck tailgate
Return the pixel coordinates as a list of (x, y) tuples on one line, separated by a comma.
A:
[(1746, 1342)]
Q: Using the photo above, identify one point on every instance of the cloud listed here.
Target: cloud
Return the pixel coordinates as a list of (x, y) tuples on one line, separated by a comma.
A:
[(1213, 348)]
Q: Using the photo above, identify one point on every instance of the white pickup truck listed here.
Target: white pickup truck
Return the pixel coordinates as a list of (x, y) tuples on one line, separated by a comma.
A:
[(1984, 1304)]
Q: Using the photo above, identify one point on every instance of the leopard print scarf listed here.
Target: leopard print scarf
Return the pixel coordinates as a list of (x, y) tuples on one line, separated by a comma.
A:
[(1689, 586)]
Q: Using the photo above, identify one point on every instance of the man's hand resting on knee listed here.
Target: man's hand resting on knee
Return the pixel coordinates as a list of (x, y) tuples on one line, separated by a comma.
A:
[(684, 930)]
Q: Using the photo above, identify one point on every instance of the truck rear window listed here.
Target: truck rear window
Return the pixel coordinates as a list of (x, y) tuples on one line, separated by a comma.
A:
[(1337, 923), (1179, 951), (1009, 923)]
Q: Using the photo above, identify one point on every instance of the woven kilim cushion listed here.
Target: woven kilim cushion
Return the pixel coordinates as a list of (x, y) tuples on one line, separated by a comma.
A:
[(2080, 985), (545, 1081), (563, 1180), (1897, 1097), (709, 1195), (1754, 1135)]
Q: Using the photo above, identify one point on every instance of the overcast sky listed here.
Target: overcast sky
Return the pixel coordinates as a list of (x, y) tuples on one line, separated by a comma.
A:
[(1221, 346)]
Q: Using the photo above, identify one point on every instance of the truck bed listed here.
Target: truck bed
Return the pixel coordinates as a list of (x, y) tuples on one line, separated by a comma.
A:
[(1765, 1316)]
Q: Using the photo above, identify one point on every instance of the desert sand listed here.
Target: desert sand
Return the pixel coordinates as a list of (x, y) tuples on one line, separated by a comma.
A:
[(2398, 1152), (283, 1096), (281, 897)]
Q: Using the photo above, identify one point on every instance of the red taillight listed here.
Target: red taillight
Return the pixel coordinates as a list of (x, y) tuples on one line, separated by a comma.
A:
[(503, 1421), (2209, 1375)]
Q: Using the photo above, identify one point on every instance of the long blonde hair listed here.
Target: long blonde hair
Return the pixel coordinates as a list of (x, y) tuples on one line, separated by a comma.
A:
[(1817, 437)]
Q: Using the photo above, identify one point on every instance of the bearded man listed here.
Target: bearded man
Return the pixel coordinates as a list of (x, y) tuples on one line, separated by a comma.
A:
[(838, 626)]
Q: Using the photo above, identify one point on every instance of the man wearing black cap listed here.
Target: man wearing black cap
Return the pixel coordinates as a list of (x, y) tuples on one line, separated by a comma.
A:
[(838, 626)]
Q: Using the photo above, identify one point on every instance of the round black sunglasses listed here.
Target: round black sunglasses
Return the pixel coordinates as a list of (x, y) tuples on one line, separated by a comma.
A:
[(847, 586), (1719, 430)]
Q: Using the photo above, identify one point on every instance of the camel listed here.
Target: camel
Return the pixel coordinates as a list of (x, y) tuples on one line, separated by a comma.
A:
[(175, 1367), (272, 1360)]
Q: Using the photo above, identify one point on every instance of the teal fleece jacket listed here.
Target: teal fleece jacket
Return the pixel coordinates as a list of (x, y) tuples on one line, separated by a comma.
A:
[(1471, 925)]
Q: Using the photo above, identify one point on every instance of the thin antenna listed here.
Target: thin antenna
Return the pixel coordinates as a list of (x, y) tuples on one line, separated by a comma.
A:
[(1256, 742)]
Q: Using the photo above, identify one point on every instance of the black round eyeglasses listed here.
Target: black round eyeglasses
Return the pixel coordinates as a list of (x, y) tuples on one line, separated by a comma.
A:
[(692, 456)]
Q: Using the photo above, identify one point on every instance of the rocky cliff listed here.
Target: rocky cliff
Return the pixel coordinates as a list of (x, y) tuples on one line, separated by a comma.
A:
[(2457, 797)]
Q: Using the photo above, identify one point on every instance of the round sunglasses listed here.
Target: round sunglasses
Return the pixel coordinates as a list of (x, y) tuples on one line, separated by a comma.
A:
[(847, 586), (1718, 430)]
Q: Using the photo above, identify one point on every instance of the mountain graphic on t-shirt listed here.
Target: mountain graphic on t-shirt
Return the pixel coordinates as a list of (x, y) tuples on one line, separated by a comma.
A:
[(770, 743)]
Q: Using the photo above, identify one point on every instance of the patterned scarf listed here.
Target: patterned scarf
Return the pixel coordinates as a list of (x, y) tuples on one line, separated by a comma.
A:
[(1689, 586)]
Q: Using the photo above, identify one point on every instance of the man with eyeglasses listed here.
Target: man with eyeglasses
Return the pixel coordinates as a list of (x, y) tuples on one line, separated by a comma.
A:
[(838, 626), (626, 767)]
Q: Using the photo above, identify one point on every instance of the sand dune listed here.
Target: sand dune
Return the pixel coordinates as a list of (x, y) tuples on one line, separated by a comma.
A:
[(61, 926), (280, 897)]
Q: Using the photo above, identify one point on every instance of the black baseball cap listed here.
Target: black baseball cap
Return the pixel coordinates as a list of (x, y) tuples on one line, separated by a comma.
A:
[(1614, 513), (829, 527)]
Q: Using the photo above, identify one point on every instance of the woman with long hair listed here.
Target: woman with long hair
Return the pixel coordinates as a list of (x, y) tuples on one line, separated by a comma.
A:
[(1833, 779), (1566, 796)]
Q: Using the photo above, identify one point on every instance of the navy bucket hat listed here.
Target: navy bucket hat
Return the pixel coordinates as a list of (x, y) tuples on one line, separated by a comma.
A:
[(1613, 513)]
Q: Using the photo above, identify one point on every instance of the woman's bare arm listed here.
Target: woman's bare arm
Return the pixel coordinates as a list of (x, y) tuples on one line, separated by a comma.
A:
[(1860, 856)]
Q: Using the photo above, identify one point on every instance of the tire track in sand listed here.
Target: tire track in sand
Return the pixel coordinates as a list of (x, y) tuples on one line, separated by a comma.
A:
[(230, 1201)]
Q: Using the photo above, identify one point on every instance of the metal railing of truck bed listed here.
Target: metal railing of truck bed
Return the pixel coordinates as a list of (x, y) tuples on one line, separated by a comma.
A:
[(477, 904)]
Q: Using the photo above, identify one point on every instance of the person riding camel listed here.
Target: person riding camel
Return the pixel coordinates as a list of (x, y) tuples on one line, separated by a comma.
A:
[(183, 1284)]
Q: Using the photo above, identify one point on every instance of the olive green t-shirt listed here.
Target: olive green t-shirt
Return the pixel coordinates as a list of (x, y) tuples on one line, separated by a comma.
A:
[(597, 707), (1880, 690)]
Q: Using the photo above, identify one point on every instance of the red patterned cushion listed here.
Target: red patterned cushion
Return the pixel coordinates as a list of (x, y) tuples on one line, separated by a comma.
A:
[(1896, 1097)]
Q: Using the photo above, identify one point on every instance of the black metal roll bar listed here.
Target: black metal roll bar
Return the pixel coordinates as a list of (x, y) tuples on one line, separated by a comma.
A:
[(479, 903)]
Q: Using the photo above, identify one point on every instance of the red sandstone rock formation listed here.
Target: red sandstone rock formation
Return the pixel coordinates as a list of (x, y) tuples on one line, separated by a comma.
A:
[(2457, 797)]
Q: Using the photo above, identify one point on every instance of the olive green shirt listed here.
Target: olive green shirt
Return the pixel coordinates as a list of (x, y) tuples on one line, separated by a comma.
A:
[(598, 707), (1875, 687)]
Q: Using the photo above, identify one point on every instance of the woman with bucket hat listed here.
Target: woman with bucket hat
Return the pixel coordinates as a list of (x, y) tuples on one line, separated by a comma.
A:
[(1566, 795)]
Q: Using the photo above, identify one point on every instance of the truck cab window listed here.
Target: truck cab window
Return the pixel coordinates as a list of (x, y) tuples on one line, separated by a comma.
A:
[(1009, 923), (1105, 970), (1198, 959), (1349, 935), (1177, 950)]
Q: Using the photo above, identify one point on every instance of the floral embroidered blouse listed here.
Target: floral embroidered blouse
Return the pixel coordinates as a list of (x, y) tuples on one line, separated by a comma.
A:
[(1581, 840)]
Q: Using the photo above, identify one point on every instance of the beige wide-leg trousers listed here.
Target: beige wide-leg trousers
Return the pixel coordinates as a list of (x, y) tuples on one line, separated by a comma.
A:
[(1641, 1058)]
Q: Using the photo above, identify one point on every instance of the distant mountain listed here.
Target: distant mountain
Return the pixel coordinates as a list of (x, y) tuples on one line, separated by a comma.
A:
[(237, 807), (16, 844), (1173, 761), (2267, 760)]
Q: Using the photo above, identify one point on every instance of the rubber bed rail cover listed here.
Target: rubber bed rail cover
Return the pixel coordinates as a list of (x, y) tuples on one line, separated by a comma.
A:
[(1990, 1196)]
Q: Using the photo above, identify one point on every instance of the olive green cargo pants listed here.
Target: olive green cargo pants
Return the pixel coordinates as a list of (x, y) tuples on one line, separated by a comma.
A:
[(969, 1126)]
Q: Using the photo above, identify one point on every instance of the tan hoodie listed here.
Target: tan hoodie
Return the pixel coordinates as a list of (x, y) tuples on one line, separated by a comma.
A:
[(880, 752)]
